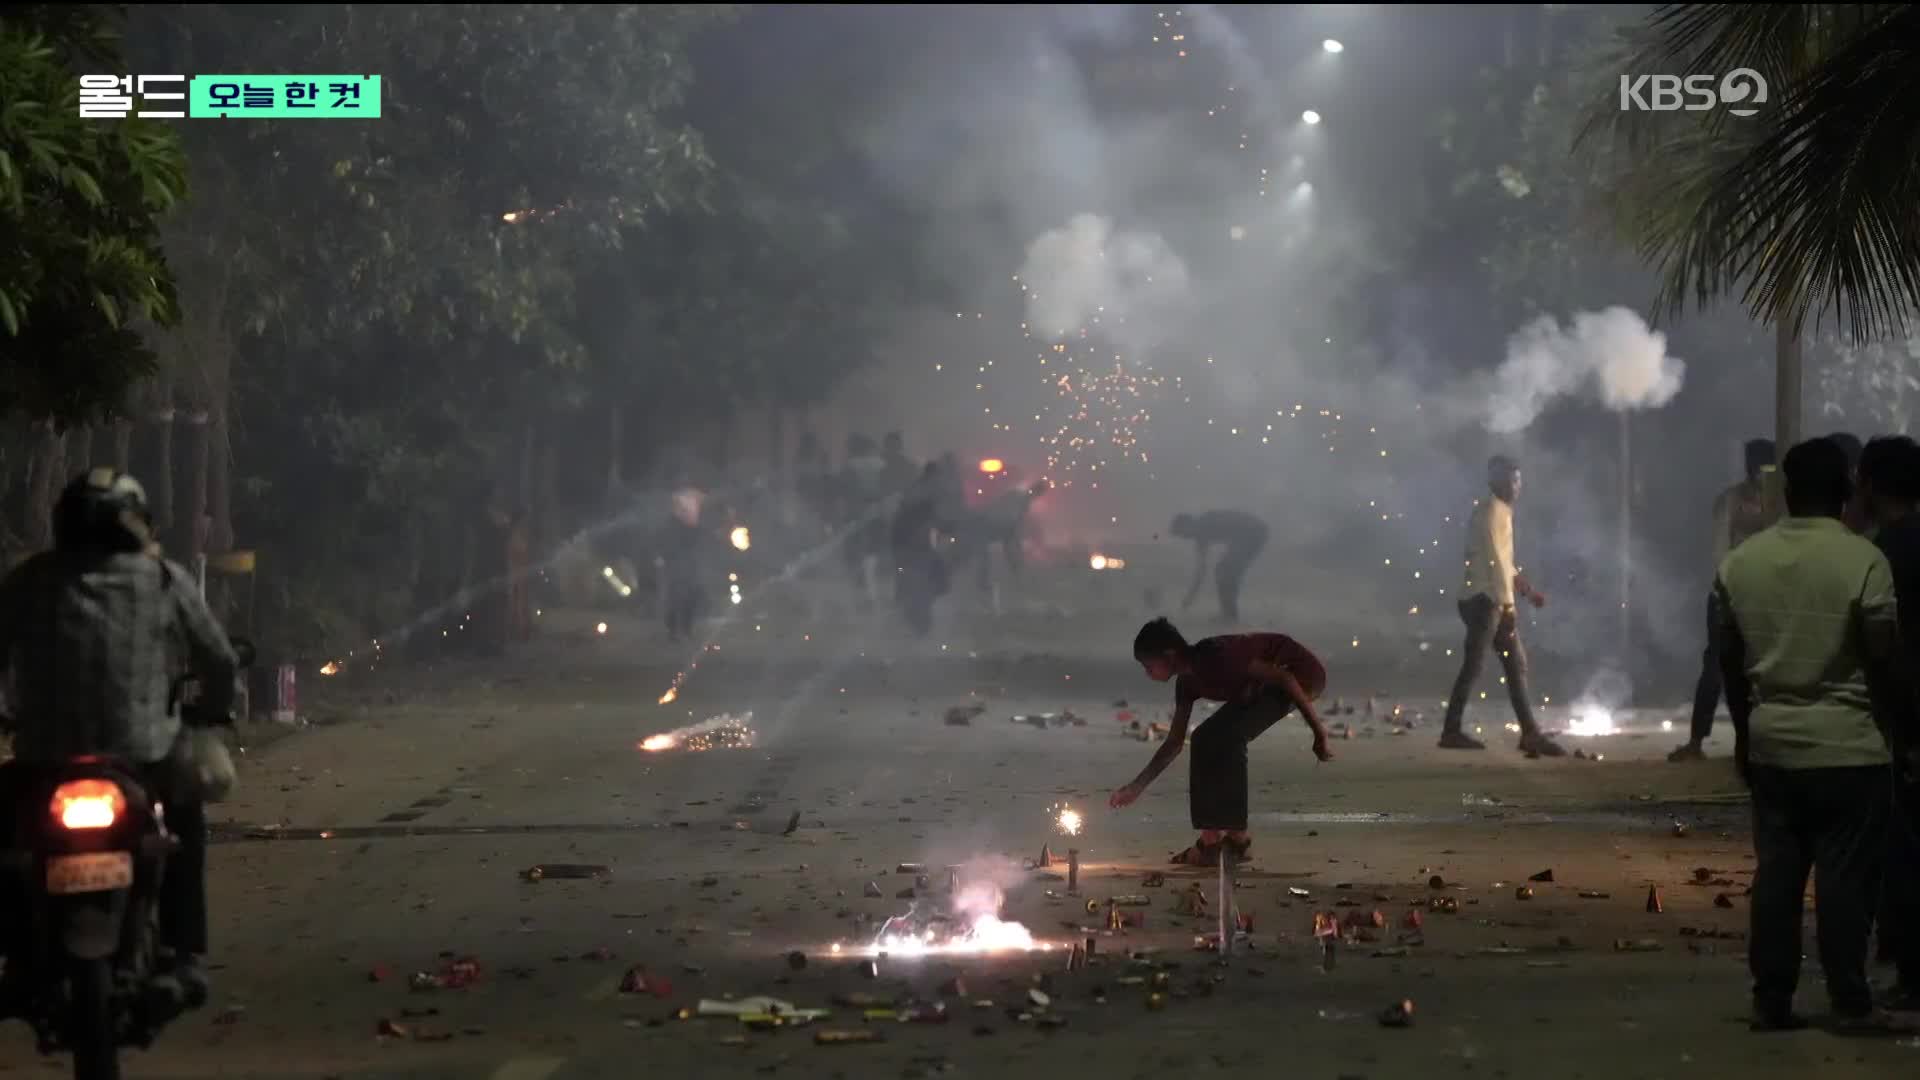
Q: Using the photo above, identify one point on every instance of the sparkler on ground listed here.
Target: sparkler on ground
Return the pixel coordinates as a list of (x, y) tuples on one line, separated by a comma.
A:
[(1066, 819), (725, 731), (967, 924)]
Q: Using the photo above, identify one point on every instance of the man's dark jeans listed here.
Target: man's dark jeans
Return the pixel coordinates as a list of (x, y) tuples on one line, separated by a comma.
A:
[(1900, 909), (1830, 822), (1488, 627), (1706, 692)]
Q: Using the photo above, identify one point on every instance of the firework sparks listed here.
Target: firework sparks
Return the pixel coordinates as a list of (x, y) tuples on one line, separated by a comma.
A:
[(1066, 819), (723, 732), (968, 925)]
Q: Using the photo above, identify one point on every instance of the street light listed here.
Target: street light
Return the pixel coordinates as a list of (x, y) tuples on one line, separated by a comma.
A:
[(1333, 46), (1310, 116)]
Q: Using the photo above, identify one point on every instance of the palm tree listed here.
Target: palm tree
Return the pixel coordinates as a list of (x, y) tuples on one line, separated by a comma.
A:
[(1805, 209)]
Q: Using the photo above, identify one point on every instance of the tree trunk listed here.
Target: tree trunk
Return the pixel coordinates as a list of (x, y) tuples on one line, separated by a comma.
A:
[(219, 484), (80, 449), (615, 448), (1786, 387), (123, 444), (194, 527), (160, 490), (49, 468)]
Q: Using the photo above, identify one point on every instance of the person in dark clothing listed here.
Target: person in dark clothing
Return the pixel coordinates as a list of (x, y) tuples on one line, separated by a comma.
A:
[(682, 547), (1890, 492), (1854, 516), (1240, 535), (1492, 583), (1261, 677), (919, 575), (1808, 642), (863, 511), (1738, 513)]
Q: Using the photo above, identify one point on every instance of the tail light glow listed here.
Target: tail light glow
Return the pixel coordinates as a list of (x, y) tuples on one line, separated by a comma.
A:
[(88, 804)]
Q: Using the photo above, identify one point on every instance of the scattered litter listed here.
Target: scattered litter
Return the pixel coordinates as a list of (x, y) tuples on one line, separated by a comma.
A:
[(1592, 894), (1154, 880), (230, 1015), (963, 715), (872, 891), (1039, 998), (1523, 893), (1446, 905), (1502, 950), (843, 1038), (793, 825), (1398, 1015), (636, 981), (565, 871), (1390, 952), (1436, 882), (1722, 900), (1297, 891), (1414, 920), (1479, 800), (1641, 945), (1654, 907), (1046, 858), (1679, 828), (1193, 902), (1544, 877), (910, 868), (1702, 875), (1709, 932)]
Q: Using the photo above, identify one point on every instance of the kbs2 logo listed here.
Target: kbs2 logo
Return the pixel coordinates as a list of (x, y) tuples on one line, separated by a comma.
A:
[(1738, 91)]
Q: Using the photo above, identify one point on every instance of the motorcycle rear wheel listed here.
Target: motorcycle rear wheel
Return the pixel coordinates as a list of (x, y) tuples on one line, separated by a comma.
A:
[(96, 1050)]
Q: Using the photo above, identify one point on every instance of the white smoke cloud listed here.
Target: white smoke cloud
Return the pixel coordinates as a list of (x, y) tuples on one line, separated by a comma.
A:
[(1611, 354), (1086, 271)]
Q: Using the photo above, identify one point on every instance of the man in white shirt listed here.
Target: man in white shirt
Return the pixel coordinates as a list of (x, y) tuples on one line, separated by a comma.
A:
[(1487, 608)]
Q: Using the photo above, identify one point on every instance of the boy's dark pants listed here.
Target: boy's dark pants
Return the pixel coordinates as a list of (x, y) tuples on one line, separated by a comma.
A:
[(1830, 822), (1706, 692), (1217, 784)]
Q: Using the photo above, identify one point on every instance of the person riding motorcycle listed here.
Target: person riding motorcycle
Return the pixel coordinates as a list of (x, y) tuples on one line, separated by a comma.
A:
[(92, 637)]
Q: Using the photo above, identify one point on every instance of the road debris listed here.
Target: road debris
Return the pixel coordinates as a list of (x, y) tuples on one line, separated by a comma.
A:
[(963, 715), (565, 871), (910, 868), (1640, 945), (829, 1037), (1436, 882), (1045, 858), (872, 891), (1523, 893), (1544, 877), (1154, 880), (1398, 1015), (1193, 902), (1722, 900), (636, 981), (1654, 907), (1679, 829), (793, 825), (1594, 894)]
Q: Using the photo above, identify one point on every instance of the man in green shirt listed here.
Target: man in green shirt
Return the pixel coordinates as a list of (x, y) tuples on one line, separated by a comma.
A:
[(1806, 632)]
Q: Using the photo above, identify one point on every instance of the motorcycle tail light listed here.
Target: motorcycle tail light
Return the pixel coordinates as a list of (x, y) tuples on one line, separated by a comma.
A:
[(88, 804)]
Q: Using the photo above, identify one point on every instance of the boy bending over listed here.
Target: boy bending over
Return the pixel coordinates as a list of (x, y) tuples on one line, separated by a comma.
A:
[(1261, 677)]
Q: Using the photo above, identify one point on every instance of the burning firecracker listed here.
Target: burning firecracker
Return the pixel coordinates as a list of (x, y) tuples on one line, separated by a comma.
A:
[(724, 732), (1066, 819)]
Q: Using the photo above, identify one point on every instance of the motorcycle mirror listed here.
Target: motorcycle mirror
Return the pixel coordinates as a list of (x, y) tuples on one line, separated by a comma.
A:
[(243, 648)]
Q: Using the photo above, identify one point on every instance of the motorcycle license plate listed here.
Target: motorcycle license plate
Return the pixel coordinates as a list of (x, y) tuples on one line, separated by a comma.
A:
[(97, 871)]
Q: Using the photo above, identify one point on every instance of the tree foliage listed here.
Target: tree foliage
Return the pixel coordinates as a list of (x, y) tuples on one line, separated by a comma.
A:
[(81, 202), (1802, 209)]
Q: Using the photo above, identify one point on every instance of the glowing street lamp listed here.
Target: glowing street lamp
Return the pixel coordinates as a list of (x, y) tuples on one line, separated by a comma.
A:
[(1333, 46), (1310, 117)]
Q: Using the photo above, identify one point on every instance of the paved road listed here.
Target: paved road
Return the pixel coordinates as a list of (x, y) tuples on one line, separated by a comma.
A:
[(393, 840)]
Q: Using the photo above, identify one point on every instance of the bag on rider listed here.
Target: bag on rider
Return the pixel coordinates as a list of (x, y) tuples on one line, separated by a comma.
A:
[(202, 766)]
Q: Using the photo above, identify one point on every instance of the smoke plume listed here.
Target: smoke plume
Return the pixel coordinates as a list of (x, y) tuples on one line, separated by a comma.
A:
[(1610, 354), (1088, 272)]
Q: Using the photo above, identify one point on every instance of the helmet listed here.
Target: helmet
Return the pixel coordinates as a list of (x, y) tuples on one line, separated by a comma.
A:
[(102, 510)]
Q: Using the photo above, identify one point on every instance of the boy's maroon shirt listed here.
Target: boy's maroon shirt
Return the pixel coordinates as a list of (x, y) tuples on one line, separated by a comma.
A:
[(1220, 666)]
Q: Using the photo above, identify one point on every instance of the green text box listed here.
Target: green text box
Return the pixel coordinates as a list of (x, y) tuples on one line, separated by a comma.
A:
[(288, 97)]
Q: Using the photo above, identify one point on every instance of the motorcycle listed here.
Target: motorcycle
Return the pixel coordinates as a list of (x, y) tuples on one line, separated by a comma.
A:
[(86, 857)]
